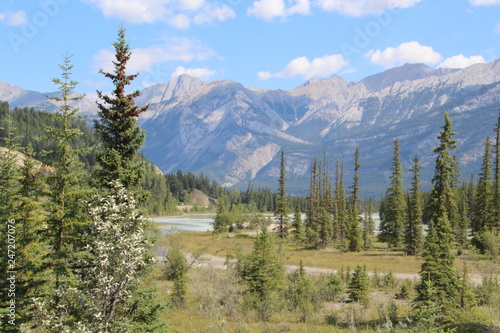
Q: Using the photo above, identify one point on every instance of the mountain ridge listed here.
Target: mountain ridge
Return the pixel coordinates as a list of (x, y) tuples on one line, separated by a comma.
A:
[(234, 134)]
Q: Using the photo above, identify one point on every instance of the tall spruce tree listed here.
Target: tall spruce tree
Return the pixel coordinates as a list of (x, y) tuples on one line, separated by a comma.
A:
[(67, 186), (340, 209), (281, 212), (9, 203), (326, 203), (496, 176), (312, 212), (438, 260), (265, 275), (393, 219), (221, 221), (30, 249), (117, 126), (297, 224), (413, 228), (354, 233), (484, 212), (368, 226)]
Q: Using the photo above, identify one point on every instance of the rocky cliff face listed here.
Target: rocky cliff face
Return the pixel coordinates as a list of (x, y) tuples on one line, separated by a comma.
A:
[(234, 134)]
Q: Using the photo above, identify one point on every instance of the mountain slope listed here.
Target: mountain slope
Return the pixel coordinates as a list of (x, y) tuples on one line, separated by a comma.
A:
[(234, 134), (19, 97)]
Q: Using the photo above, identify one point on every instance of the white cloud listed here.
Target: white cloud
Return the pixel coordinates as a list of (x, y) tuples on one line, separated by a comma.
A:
[(178, 13), (190, 4), (497, 28), (319, 67), (13, 19), (144, 59), (210, 14), (484, 2), (461, 61), (269, 9), (202, 73), (410, 52), (180, 21), (133, 11), (357, 8)]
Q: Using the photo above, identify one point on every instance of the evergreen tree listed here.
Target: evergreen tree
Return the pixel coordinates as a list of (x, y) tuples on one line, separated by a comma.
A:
[(466, 297), (281, 212), (438, 260), (359, 285), (463, 224), (301, 294), (221, 221), (484, 214), (496, 177), (413, 227), (443, 194), (265, 275), (393, 219), (368, 227), (326, 203), (117, 126), (9, 202), (297, 224), (29, 246), (117, 256), (354, 234), (312, 212), (340, 209), (66, 184)]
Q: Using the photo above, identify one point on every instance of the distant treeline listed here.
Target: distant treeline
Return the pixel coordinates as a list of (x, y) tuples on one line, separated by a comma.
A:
[(165, 191)]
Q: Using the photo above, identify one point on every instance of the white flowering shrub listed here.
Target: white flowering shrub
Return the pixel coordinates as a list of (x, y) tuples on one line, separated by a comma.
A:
[(110, 267)]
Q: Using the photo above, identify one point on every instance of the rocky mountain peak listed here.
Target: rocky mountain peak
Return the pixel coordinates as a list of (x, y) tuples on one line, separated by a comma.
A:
[(407, 72)]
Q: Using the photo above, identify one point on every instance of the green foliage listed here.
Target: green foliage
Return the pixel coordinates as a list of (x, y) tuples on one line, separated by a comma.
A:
[(339, 206), (281, 212), (222, 220), (301, 295), (312, 218), (67, 185), (413, 227), (429, 313), (483, 217), (175, 269), (298, 225), (393, 218), (331, 287), (496, 175), (354, 233), (263, 270), (117, 126), (368, 227), (109, 270), (359, 285), (438, 260)]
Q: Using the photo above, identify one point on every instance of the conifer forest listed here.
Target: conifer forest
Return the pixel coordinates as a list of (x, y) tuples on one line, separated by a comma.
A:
[(81, 254)]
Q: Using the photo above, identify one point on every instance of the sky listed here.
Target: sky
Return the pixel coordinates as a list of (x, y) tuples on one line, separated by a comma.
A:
[(270, 44)]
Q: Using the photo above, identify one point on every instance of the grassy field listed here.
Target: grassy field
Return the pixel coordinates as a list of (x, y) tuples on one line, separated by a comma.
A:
[(215, 300), (377, 259)]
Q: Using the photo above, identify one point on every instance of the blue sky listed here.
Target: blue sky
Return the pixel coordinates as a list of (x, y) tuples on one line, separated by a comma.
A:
[(272, 44)]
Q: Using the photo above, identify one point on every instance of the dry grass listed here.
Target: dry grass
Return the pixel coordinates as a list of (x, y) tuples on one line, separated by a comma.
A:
[(378, 259)]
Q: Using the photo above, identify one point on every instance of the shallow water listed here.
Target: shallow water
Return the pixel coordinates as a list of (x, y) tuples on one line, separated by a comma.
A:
[(184, 223), (200, 223)]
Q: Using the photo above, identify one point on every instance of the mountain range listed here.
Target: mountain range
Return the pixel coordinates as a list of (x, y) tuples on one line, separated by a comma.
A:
[(234, 134)]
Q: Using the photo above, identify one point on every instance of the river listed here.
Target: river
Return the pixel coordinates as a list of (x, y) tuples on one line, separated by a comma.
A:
[(202, 222)]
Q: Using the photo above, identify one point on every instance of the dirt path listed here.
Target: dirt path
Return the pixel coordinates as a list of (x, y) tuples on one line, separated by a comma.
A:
[(219, 262)]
